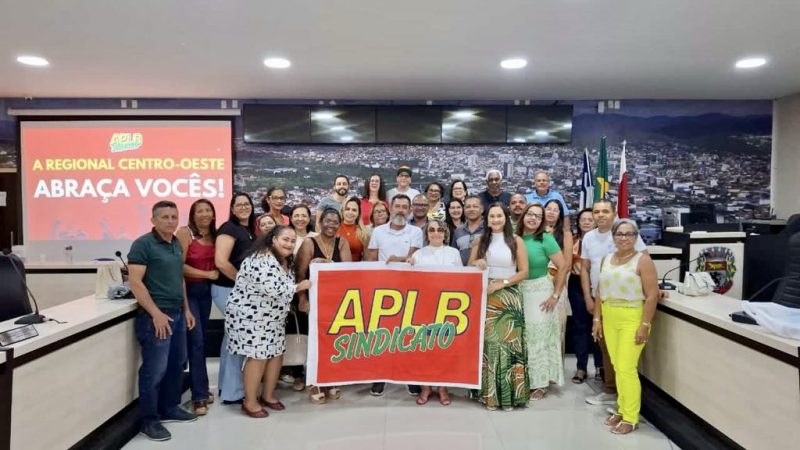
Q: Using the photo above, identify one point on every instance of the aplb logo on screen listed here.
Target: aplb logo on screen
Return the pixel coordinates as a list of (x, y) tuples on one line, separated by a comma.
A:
[(125, 142)]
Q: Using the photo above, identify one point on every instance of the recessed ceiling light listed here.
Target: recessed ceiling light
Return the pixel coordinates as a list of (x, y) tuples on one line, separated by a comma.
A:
[(513, 63), (750, 63), (29, 60), (277, 63)]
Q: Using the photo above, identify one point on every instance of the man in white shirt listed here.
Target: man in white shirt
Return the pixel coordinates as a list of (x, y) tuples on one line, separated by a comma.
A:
[(394, 241), (595, 245), (404, 175)]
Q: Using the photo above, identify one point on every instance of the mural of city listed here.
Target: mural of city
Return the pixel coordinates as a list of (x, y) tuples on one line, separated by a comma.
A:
[(678, 153)]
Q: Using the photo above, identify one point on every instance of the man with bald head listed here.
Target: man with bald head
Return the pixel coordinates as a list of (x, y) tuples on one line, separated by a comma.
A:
[(542, 193)]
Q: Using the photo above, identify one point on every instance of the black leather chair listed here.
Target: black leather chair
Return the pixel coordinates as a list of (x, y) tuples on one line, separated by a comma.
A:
[(788, 291), (13, 295), (765, 257)]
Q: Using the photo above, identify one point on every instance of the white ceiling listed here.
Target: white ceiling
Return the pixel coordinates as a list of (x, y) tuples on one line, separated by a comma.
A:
[(395, 50)]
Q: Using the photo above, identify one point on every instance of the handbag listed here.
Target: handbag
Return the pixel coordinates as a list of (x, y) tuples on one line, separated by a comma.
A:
[(296, 346), (696, 284), (108, 275)]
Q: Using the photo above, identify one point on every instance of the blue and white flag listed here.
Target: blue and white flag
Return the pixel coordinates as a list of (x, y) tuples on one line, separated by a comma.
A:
[(587, 183)]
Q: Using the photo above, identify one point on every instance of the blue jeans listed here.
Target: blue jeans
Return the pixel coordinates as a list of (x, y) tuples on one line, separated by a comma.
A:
[(160, 375), (582, 341), (199, 296), (231, 385)]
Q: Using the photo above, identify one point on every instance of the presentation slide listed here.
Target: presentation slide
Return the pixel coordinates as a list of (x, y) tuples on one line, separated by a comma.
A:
[(91, 184)]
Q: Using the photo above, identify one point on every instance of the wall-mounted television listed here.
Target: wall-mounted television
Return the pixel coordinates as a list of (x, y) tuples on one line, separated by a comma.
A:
[(474, 125), (276, 123), (343, 124), (539, 124), (409, 125)]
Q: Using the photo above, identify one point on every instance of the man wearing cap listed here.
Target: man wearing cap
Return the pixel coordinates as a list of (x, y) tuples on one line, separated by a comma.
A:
[(404, 175), (494, 190)]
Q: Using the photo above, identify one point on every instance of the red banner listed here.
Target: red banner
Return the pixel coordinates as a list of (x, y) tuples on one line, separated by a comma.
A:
[(396, 323)]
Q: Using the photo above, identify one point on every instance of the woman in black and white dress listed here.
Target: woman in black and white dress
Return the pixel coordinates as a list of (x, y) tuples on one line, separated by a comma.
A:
[(256, 314)]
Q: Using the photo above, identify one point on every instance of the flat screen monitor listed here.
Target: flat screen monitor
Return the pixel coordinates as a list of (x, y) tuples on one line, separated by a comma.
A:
[(91, 184), (474, 125), (343, 125), (539, 124), (409, 125), (276, 123)]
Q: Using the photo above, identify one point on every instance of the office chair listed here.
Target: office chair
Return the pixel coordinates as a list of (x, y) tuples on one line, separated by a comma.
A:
[(788, 290), (13, 294)]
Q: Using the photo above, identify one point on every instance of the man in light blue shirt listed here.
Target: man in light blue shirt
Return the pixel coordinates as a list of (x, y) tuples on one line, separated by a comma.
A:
[(542, 192)]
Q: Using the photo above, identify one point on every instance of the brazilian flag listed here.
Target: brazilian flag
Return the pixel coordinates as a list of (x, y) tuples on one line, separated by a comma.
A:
[(601, 174)]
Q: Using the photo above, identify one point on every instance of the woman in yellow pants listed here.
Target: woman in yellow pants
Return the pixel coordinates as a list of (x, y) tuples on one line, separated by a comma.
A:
[(628, 293)]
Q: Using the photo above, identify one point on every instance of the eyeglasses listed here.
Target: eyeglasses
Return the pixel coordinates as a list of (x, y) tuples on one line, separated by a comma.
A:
[(435, 230), (533, 215), (434, 191), (626, 235), (242, 205), (278, 199), (420, 205)]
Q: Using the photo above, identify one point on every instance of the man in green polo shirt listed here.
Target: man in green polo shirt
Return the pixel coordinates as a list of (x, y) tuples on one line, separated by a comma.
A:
[(155, 266)]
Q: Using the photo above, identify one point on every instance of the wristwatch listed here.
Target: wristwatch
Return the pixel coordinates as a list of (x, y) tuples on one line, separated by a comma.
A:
[(505, 282)]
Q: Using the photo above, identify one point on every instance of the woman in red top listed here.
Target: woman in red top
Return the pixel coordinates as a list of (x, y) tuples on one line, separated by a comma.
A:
[(374, 193), (352, 230), (197, 243)]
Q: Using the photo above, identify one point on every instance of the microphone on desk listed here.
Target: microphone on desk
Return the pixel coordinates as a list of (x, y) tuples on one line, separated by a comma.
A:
[(30, 318), (666, 285), (118, 254)]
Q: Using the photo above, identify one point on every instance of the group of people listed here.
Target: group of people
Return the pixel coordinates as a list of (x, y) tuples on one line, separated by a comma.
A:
[(255, 269)]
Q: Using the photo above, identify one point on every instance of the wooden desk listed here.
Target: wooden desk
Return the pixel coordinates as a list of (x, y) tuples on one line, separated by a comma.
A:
[(740, 379)]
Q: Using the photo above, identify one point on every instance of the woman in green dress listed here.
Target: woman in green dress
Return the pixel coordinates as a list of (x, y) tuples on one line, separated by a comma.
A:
[(505, 374), (540, 298)]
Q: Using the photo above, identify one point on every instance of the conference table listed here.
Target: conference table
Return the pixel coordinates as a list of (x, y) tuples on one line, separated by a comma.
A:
[(740, 380), (58, 387)]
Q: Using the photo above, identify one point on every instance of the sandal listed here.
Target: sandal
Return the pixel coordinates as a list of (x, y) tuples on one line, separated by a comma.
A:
[(260, 414), (277, 406), (598, 374), (316, 395), (334, 393), (538, 394), (579, 377), (613, 420), (444, 398), (624, 428), (298, 384)]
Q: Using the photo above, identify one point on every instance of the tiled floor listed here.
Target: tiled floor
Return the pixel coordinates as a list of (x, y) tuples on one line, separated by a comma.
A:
[(394, 422)]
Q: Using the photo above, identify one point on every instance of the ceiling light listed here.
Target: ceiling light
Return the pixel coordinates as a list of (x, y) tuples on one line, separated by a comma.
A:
[(750, 63), (513, 63), (277, 63), (29, 60)]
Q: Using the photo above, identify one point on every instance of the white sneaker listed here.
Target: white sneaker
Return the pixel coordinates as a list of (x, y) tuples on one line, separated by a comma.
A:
[(602, 399)]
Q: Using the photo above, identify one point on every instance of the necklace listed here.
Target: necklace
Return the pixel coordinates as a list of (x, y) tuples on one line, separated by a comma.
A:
[(325, 247)]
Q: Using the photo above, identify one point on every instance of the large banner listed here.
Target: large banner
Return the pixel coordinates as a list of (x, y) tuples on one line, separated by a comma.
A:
[(396, 323)]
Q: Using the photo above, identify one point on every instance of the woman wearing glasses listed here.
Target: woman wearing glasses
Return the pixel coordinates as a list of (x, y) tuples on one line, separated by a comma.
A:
[(540, 299), (273, 203), (374, 193), (628, 293), (433, 192), (435, 253), (234, 239)]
